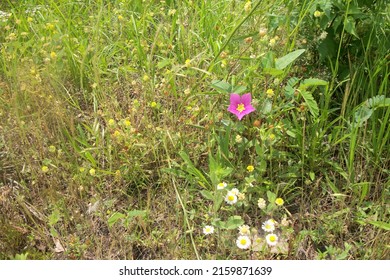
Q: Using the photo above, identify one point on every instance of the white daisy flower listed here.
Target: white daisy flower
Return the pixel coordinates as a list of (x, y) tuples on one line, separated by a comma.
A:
[(244, 230), (243, 242), (269, 225), (221, 186), (235, 191), (272, 239), (231, 198), (208, 230)]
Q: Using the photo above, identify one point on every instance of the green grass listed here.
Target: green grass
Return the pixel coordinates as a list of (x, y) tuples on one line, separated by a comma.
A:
[(115, 131)]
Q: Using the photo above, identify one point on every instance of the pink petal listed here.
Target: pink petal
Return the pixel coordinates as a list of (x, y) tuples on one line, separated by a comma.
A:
[(235, 99), (246, 99)]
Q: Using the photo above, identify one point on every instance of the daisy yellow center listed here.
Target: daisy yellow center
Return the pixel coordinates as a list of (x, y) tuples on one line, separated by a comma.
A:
[(268, 226), (240, 107), (231, 197), (272, 238), (243, 241)]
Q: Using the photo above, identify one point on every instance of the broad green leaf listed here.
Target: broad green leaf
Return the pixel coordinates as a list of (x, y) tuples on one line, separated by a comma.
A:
[(363, 114), (271, 197), (163, 63), (267, 107), (207, 194), (136, 213), (379, 224), (311, 103), (273, 71), (234, 222), (239, 89), (312, 83), (349, 25), (221, 86), (286, 60), (114, 218)]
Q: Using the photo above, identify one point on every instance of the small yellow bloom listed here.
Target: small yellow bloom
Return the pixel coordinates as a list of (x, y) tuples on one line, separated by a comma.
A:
[(127, 123), (116, 134), (188, 63), (250, 168), (53, 55), (92, 172), (29, 19), (81, 169), (317, 14), (50, 26), (248, 6), (270, 93), (145, 78), (111, 122), (153, 104), (45, 169), (272, 42), (279, 201), (52, 149), (120, 18)]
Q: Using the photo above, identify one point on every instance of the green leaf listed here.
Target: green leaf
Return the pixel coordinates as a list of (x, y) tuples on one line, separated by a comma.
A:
[(136, 213), (273, 71), (271, 197), (267, 107), (362, 114), (311, 103), (114, 218), (239, 89), (286, 60), (191, 169), (207, 194), (234, 222), (221, 86), (163, 63), (289, 89), (379, 224), (312, 83), (349, 25)]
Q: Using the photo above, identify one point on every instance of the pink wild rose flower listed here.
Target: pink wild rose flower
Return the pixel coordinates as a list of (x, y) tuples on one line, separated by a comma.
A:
[(240, 105)]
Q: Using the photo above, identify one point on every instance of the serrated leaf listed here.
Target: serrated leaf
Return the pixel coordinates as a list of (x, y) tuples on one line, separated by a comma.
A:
[(311, 103), (286, 60), (362, 114)]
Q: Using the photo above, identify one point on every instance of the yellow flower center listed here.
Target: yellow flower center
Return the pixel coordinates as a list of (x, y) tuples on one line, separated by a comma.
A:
[(243, 241), (240, 107), (272, 238), (231, 197)]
